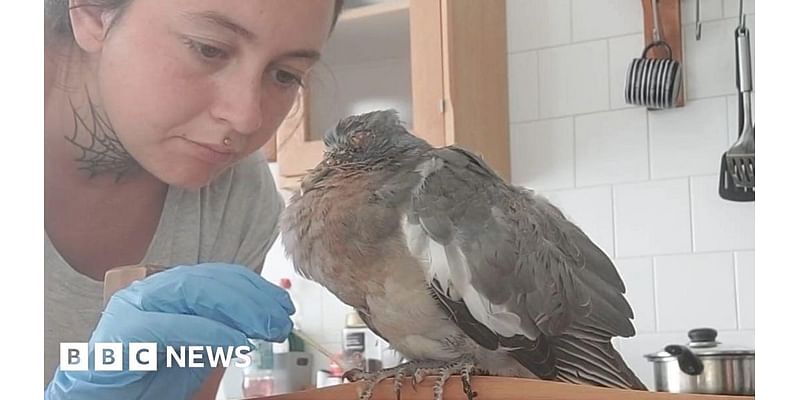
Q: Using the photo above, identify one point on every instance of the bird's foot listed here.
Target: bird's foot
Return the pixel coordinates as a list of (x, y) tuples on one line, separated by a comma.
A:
[(418, 370)]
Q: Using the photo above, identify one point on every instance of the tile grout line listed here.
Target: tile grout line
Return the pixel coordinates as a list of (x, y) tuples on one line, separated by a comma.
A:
[(632, 182), (692, 221), (736, 296), (613, 222), (608, 75), (649, 150), (655, 292), (538, 85), (579, 42), (613, 109), (571, 22), (574, 154), (698, 253)]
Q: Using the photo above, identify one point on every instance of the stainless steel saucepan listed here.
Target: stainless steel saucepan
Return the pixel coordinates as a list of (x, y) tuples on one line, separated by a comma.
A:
[(704, 365)]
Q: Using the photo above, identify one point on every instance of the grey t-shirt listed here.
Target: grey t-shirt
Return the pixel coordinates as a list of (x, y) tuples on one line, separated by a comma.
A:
[(233, 220)]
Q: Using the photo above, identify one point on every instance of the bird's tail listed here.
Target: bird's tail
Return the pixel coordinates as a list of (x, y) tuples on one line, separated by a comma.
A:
[(593, 361)]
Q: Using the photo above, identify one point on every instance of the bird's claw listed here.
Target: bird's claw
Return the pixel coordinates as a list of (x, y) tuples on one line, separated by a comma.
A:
[(463, 366), (418, 371)]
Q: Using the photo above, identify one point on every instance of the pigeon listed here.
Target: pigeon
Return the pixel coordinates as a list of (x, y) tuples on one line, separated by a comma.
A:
[(460, 271)]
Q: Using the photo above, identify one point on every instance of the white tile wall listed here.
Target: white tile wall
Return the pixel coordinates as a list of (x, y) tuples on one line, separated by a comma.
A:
[(590, 209), (731, 7), (573, 79), (719, 224), (533, 24), (524, 69), (652, 218), (745, 287), (709, 11), (689, 140), (714, 71), (592, 19), (695, 290), (668, 225), (637, 273), (333, 317), (611, 147), (621, 52), (543, 154), (733, 116)]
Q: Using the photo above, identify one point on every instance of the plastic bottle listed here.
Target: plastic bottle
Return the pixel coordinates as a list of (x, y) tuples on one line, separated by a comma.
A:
[(336, 374), (258, 379)]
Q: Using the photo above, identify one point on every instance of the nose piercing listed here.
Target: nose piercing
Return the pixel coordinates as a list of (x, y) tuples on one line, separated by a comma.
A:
[(227, 141)]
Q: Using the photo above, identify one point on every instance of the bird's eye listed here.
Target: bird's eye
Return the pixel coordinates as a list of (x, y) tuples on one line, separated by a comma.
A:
[(359, 139)]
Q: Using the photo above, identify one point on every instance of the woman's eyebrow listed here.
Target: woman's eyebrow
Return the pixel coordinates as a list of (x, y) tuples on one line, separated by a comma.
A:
[(222, 21), (225, 22), (312, 55)]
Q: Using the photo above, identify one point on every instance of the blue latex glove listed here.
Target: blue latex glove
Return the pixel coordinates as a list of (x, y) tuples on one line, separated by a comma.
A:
[(207, 304)]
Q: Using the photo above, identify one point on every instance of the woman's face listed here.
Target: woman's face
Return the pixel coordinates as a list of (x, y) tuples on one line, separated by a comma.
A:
[(181, 78)]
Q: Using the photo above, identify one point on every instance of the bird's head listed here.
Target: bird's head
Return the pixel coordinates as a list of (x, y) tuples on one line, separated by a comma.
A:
[(371, 139)]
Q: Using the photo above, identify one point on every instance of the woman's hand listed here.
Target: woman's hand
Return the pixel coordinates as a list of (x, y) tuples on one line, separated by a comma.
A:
[(204, 305)]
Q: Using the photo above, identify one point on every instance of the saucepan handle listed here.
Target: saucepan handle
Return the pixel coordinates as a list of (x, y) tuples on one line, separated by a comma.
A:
[(687, 360)]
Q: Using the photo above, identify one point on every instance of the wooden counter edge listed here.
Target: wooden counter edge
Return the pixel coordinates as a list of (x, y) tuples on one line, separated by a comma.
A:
[(494, 388)]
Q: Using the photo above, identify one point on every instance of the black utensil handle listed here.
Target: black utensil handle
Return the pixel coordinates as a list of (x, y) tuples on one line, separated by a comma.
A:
[(687, 360), (741, 114)]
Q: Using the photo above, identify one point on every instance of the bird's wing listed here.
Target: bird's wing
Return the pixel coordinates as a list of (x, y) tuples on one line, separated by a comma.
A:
[(515, 274)]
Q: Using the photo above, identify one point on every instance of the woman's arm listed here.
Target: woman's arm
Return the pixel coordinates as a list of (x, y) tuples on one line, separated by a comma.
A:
[(210, 388)]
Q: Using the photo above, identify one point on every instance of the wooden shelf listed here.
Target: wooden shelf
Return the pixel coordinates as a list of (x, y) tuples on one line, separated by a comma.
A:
[(370, 34), (425, 58), (495, 388)]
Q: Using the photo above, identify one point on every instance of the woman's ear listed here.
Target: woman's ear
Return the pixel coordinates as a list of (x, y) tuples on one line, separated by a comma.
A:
[(89, 24)]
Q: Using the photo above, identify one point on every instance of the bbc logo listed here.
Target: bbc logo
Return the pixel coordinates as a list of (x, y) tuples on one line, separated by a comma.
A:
[(75, 356), (109, 357)]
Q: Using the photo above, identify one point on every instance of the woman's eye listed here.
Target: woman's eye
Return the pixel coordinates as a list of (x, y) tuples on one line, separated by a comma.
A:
[(206, 51), (287, 78)]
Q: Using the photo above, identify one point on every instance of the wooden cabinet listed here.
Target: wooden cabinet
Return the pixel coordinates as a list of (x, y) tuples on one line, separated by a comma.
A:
[(441, 63)]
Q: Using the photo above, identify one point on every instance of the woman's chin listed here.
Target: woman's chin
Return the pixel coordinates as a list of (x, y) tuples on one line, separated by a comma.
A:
[(184, 172), (191, 181)]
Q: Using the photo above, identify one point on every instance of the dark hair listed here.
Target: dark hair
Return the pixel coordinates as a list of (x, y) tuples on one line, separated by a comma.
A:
[(57, 22)]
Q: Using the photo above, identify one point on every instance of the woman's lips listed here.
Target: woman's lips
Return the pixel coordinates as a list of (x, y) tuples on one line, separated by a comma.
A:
[(211, 152)]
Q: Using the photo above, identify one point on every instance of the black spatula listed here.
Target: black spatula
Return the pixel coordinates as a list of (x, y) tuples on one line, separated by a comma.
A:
[(740, 187)]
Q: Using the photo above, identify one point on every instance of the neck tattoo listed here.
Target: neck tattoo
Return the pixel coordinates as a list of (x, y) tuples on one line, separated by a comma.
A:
[(104, 154)]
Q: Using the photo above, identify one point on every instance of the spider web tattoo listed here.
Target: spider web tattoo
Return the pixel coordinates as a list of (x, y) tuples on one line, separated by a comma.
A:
[(104, 154)]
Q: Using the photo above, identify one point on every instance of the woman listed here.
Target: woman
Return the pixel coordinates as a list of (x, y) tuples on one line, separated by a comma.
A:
[(154, 112)]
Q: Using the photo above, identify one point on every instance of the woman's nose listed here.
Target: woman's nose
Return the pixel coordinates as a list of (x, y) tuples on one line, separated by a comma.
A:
[(240, 104)]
